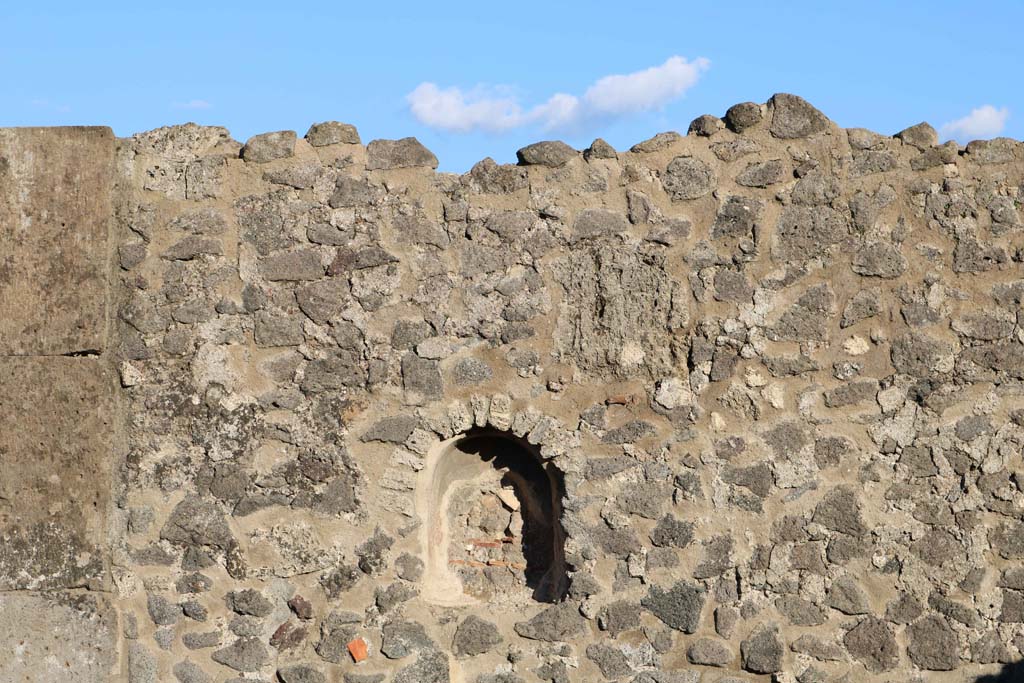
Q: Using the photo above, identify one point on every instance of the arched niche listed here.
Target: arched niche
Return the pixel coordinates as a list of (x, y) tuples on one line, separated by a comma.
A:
[(492, 531)]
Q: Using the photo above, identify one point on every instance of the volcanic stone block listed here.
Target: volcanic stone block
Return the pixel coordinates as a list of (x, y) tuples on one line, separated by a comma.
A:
[(55, 212), (56, 421)]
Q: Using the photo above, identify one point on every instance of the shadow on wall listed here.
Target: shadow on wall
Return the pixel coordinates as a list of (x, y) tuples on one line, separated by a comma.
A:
[(1011, 673)]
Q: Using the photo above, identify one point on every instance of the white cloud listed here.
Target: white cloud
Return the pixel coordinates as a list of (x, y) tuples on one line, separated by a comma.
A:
[(645, 90), (193, 104), (984, 122), (496, 111)]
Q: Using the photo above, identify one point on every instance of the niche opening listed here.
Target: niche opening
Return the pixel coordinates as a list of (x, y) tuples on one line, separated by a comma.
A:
[(493, 533)]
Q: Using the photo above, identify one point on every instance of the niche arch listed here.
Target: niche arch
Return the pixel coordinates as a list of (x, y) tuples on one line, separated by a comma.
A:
[(492, 513)]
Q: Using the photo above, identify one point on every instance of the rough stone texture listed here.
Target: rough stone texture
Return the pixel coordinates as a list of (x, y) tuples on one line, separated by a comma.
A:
[(57, 420), (56, 214), (58, 637), (744, 403)]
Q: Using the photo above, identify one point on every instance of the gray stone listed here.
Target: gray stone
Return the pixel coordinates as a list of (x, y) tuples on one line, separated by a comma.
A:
[(671, 532), (550, 153), (245, 654), (761, 652), (794, 117), (609, 659), (862, 305), (737, 217), (556, 623), (249, 601), (471, 371), (300, 673), (188, 672), (275, 330), (806, 232), (196, 521), (162, 611), (872, 643), (200, 641), (619, 616), (932, 644), (848, 597), (679, 606), (839, 510), (142, 664), (921, 135), (401, 639), (657, 143), (599, 149), (740, 117), (762, 173), (475, 636), (688, 178), (324, 301), (822, 650), (429, 667), (336, 630), (301, 264), (332, 133), (705, 125), (800, 611), (709, 652), (269, 147), (409, 567), (392, 429), (192, 247), (1012, 611), (405, 153), (597, 223), (879, 259), (421, 376)]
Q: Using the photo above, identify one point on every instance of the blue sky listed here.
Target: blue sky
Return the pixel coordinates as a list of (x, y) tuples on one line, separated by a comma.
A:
[(475, 79)]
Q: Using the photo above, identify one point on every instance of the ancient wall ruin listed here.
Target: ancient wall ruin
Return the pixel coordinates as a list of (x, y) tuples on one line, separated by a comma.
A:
[(740, 405)]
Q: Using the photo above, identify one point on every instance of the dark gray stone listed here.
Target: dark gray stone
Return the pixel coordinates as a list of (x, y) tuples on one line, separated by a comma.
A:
[(932, 644), (794, 117), (475, 636), (879, 259), (245, 654), (401, 639), (671, 532), (429, 667), (678, 606), (740, 117), (188, 672), (249, 601), (556, 623), (269, 147), (737, 217), (705, 125), (872, 643), (332, 133), (688, 178), (550, 153), (393, 429), (839, 510), (298, 265), (610, 660), (762, 173), (421, 376), (597, 223), (195, 521), (709, 652), (761, 652), (405, 153)]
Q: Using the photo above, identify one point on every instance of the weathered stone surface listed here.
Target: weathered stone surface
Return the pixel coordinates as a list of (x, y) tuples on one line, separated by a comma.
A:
[(475, 636), (56, 417), (332, 133), (794, 117), (556, 623), (762, 650), (873, 644), (688, 178), (405, 153), (679, 605), (59, 637), (269, 147), (550, 153), (932, 644), (56, 205)]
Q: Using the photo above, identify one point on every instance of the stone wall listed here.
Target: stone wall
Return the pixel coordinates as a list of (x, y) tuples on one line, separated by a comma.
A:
[(741, 405)]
